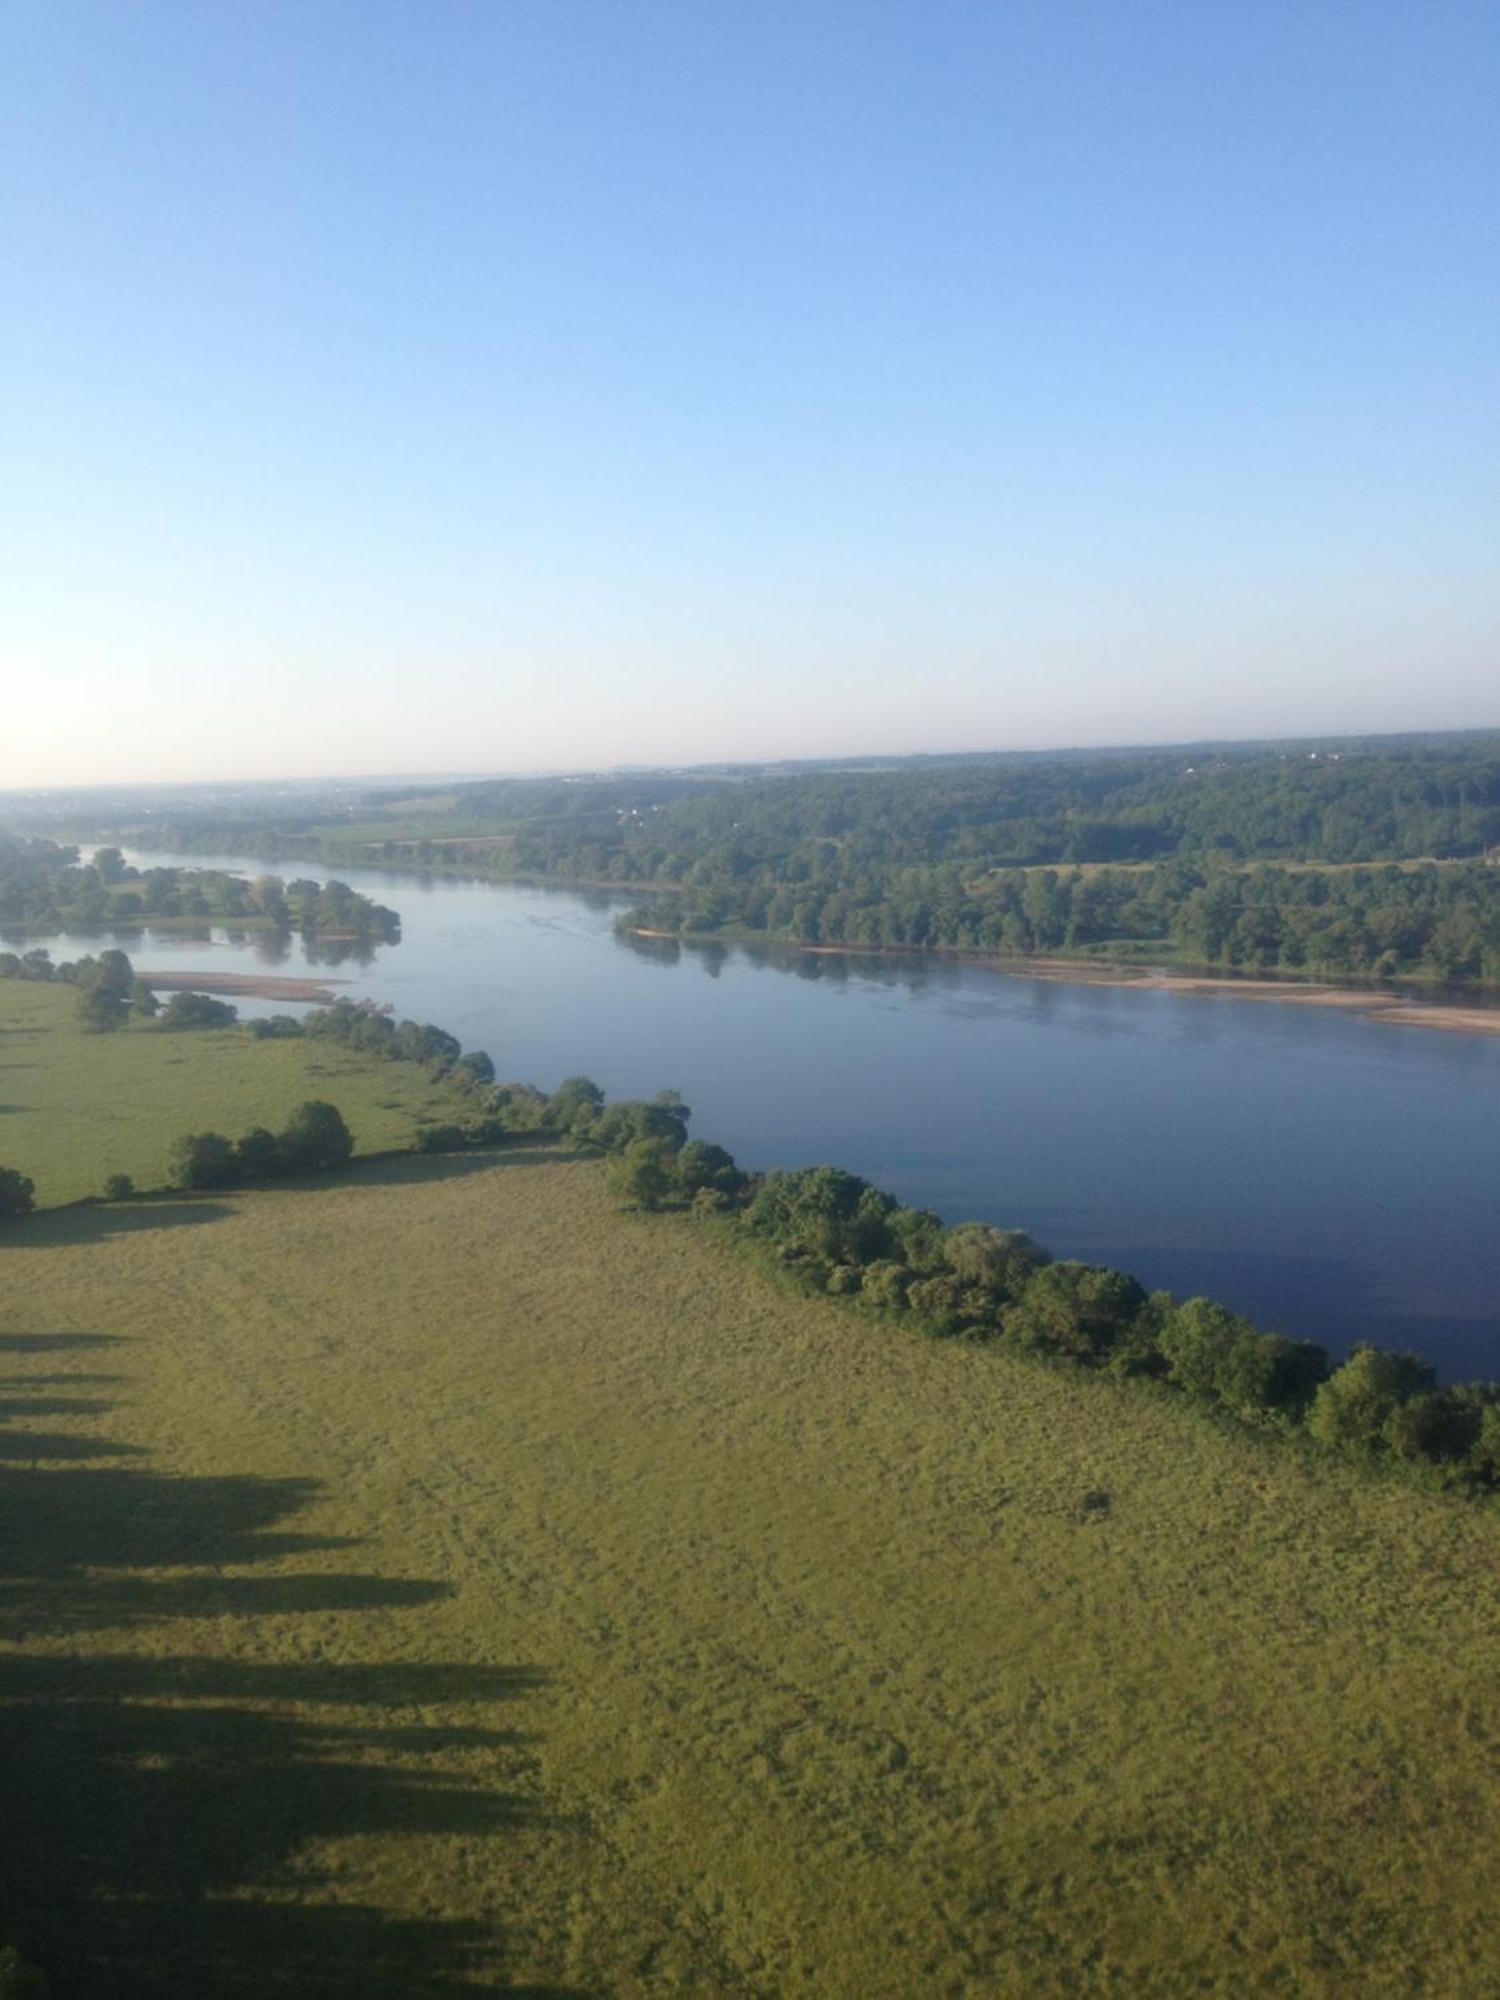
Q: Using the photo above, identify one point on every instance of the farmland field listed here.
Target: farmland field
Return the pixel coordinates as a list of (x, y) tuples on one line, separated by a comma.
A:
[(437, 1579), (77, 1107)]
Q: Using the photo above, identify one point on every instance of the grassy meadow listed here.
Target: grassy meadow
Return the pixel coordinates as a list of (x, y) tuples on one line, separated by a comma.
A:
[(435, 1579), (76, 1107)]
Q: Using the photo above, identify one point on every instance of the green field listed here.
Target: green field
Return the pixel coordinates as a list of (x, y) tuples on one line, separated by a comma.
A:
[(437, 1579), (77, 1107)]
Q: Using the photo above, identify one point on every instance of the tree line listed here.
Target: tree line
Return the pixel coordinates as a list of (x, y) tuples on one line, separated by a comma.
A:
[(46, 885), (1268, 857), (1377, 922), (110, 994)]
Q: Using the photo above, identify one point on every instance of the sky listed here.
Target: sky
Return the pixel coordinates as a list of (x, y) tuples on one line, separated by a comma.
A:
[(500, 385)]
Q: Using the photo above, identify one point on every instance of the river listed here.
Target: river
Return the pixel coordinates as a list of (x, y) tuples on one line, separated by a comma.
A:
[(1333, 1177)]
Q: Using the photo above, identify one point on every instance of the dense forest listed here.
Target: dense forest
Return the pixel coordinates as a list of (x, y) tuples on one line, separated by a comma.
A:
[(47, 886), (1367, 857)]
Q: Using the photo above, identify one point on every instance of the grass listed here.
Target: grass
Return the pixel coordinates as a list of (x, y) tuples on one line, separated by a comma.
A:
[(77, 1107), (436, 1579)]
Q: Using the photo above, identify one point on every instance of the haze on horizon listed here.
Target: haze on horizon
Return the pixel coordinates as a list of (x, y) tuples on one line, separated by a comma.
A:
[(566, 385)]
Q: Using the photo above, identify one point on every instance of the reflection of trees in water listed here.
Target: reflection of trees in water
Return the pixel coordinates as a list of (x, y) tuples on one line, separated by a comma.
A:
[(909, 972), (655, 951), (339, 951), (270, 947)]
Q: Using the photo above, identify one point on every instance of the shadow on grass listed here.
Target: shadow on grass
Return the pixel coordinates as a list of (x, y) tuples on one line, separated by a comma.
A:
[(31, 1446), (60, 1343), (158, 1810), (92, 1222), (406, 1169)]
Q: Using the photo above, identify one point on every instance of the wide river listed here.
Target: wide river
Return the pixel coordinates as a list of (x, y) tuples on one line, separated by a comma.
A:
[(1334, 1177)]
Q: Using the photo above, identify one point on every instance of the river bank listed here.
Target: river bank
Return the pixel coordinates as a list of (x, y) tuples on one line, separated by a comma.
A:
[(246, 985), (1414, 1008)]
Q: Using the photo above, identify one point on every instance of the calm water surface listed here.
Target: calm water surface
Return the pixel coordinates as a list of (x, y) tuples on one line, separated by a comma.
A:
[(1332, 1177)]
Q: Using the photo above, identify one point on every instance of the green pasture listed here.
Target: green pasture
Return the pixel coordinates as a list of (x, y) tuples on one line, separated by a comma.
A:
[(76, 1107), (437, 1580)]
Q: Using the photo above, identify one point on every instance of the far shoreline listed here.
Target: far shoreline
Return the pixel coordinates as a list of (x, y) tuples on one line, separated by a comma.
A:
[(1395, 1009)]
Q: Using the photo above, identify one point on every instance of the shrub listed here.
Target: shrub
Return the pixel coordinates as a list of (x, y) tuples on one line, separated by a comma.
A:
[(941, 1300), (1440, 1427), (700, 1166), (1196, 1340), (642, 1174), (1352, 1408), (1000, 1259), (885, 1284), (519, 1107), (844, 1280), (197, 1010), (119, 1187), (17, 1192), (1267, 1372), (100, 1010), (1075, 1309), (276, 1028), (916, 1237), (204, 1160), (574, 1105), (259, 1155), (315, 1138), (442, 1139)]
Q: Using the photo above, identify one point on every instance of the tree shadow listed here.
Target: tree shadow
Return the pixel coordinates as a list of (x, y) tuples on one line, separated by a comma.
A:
[(407, 1169), (12, 1407), (92, 1222), (160, 1807), (59, 1343), (32, 1446)]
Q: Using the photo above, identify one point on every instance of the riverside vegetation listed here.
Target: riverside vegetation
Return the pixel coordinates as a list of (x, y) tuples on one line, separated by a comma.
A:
[(46, 886), (832, 1232), (1366, 857)]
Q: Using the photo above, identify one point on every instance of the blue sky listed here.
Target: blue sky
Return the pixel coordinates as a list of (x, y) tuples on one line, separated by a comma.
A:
[(511, 386)]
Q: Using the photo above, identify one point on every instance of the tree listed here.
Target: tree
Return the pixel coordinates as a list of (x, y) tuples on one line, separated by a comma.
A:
[(574, 1105), (1266, 1371), (260, 1155), (143, 1000), (1353, 1407), (114, 974), (315, 1138), (197, 1010), (99, 1010), (16, 1192), (119, 1187), (1196, 1341), (701, 1165), (204, 1160), (1001, 1259), (474, 1069), (1075, 1309), (643, 1174)]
